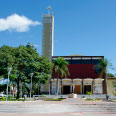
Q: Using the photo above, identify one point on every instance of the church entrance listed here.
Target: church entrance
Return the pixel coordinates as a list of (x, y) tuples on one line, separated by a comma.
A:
[(66, 89), (87, 88), (77, 89)]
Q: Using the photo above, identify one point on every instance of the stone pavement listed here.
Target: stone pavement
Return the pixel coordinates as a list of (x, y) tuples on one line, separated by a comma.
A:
[(67, 107)]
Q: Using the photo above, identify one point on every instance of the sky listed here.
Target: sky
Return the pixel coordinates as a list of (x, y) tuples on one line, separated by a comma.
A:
[(84, 27)]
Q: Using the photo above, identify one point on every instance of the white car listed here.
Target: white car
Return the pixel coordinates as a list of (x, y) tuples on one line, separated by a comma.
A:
[(2, 95)]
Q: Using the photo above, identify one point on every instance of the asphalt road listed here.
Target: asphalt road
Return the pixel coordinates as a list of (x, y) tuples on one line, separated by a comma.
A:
[(66, 108)]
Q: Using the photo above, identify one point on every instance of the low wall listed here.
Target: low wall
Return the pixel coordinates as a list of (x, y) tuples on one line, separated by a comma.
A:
[(102, 96)]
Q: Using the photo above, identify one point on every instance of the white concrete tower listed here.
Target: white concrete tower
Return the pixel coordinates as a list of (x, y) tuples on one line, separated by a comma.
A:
[(47, 35)]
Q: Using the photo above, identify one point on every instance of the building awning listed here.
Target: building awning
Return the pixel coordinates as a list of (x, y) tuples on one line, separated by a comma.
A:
[(3, 81), (77, 79), (98, 79), (88, 79)]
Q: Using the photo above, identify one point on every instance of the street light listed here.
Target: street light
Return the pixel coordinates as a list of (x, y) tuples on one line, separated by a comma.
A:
[(9, 70), (50, 86), (39, 82), (31, 75)]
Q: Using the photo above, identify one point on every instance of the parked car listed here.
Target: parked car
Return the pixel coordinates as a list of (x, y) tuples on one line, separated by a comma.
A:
[(2, 95)]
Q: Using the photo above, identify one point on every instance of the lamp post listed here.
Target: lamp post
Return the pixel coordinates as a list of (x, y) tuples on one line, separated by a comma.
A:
[(9, 70), (39, 82), (31, 75), (49, 87)]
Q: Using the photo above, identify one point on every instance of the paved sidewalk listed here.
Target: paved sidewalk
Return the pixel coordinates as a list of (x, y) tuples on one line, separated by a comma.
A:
[(83, 101)]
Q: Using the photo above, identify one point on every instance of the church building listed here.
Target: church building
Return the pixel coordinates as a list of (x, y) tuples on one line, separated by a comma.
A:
[(84, 76)]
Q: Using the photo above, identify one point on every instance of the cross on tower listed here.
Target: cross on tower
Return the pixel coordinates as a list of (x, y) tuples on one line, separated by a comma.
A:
[(49, 8)]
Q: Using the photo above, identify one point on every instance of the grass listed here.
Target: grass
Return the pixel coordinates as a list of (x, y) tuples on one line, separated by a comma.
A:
[(51, 99), (15, 99), (93, 99), (45, 99), (10, 99)]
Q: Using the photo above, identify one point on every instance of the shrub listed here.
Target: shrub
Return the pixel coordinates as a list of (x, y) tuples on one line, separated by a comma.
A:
[(3, 99), (114, 93), (51, 99), (88, 99), (10, 96), (89, 93), (43, 96)]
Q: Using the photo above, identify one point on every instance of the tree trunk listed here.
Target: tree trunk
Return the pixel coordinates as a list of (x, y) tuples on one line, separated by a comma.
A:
[(18, 86), (57, 85), (61, 87), (106, 86), (39, 88)]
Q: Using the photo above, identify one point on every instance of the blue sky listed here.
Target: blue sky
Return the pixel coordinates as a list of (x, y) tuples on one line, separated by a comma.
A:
[(86, 27)]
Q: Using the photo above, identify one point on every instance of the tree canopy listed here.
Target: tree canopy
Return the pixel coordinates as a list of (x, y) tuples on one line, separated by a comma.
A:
[(24, 60), (60, 67)]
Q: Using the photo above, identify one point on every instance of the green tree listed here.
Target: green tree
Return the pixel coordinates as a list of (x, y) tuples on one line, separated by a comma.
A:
[(110, 75), (24, 60), (41, 67), (60, 67), (6, 59), (114, 91), (104, 65)]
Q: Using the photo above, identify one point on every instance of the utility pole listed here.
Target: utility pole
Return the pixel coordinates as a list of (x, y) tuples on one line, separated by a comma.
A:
[(31, 75)]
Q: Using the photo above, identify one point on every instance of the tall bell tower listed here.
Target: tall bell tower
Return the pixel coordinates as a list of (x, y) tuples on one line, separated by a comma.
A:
[(47, 34)]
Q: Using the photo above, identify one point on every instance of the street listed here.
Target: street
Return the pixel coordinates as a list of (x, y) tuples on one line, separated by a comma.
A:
[(69, 107)]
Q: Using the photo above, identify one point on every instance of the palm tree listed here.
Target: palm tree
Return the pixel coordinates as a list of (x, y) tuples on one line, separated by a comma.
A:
[(60, 67), (104, 69), (103, 66)]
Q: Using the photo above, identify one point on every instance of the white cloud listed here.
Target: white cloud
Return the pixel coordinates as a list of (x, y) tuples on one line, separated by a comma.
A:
[(17, 23)]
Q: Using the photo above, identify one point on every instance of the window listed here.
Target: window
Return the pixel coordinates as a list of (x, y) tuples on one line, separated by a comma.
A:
[(76, 61), (86, 61), (95, 61), (69, 61)]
